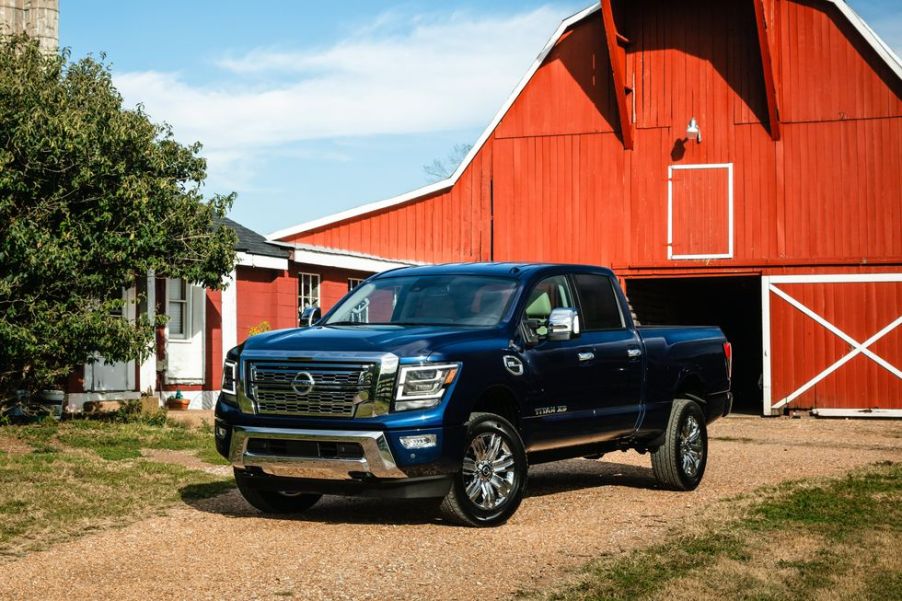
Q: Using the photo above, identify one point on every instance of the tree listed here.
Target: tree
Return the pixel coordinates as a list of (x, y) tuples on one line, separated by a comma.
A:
[(440, 169), (92, 197)]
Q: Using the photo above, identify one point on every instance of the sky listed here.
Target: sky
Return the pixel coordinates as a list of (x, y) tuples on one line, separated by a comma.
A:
[(306, 108)]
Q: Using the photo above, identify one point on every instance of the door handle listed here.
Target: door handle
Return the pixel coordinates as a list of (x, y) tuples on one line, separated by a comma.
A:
[(586, 356), (634, 353)]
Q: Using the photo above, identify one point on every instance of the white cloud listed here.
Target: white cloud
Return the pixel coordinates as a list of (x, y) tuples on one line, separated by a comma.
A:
[(400, 75)]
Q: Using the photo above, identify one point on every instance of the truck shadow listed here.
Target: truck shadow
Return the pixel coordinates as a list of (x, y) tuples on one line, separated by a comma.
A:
[(548, 479), (582, 474)]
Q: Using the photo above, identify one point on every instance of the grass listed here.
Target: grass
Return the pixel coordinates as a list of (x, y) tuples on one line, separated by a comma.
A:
[(62, 480), (834, 539), (120, 440)]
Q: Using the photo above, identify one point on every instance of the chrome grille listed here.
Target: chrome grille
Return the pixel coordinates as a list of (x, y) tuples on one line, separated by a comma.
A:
[(336, 388)]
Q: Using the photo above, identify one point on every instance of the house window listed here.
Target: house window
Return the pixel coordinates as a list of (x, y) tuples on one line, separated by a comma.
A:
[(177, 307), (353, 283), (308, 290)]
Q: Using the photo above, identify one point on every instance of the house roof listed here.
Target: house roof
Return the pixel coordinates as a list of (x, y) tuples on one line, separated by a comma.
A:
[(880, 47), (251, 242)]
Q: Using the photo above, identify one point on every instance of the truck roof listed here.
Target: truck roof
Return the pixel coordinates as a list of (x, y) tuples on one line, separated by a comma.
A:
[(508, 269)]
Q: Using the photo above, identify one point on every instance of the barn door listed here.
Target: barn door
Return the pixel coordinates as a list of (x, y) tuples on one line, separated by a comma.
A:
[(118, 376), (833, 343), (700, 211)]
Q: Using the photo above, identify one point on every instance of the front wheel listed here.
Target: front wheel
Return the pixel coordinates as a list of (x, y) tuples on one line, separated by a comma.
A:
[(276, 501), (490, 484), (679, 463)]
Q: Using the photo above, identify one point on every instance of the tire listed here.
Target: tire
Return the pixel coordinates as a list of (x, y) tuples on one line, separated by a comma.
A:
[(488, 480), (679, 463), (277, 502)]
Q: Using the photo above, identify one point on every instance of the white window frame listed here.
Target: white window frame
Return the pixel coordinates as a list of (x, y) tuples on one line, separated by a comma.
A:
[(302, 297), (670, 170), (185, 336), (354, 282)]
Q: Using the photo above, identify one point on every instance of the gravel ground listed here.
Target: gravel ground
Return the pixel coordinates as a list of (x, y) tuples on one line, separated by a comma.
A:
[(373, 549)]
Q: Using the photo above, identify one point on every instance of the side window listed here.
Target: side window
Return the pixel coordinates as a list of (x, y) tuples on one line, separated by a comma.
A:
[(551, 293), (177, 308), (600, 308)]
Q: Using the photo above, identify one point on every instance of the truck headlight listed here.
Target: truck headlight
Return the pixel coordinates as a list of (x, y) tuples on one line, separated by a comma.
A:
[(230, 377), (422, 386)]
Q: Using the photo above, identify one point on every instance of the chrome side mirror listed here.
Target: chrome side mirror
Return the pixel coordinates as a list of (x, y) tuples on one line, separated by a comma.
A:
[(310, 316), (563, 324)]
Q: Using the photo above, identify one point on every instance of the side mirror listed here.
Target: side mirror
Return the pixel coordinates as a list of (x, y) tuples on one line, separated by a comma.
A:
[(310, 316), (563, 324)]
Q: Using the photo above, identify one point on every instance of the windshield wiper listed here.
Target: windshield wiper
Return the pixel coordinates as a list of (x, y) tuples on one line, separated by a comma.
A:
[(348, 323)]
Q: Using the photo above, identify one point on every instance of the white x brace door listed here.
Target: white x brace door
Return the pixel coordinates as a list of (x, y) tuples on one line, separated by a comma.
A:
[(832, 343)]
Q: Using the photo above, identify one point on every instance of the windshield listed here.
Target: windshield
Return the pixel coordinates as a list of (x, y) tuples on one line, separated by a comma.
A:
[(464, 300)]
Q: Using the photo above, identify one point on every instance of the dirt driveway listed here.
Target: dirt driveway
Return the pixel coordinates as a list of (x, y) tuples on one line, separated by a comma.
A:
[(372, 549)]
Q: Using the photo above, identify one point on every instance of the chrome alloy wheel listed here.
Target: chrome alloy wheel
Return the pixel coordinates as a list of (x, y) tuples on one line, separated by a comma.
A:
[(489, 470), (691, 448)]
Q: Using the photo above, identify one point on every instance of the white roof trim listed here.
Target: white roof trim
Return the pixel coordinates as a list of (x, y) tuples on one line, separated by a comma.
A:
[(870, 36), (879, 46), (261, 261), (327, 257)]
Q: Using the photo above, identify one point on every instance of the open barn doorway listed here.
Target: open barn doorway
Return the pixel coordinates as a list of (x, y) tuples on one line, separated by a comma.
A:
[(733, 303)]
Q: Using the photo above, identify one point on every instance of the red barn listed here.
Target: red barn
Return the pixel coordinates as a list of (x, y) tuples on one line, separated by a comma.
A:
[(738, 162)]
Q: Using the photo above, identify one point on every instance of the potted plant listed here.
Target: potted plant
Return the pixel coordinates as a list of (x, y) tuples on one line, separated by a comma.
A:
[(177, 401)]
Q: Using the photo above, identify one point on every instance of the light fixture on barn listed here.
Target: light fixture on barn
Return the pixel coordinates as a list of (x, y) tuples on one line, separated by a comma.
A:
[(693, 131)]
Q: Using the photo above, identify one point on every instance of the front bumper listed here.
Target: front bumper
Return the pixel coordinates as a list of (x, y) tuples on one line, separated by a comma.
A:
[(376, 458)]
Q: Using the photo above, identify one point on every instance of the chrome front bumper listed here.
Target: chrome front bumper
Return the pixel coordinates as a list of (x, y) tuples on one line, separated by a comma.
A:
[(377, 457)]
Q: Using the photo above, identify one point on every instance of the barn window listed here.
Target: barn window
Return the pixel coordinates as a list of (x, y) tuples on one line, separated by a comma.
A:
[(177, 307), (353, 283), (700, 211), (308, 290)]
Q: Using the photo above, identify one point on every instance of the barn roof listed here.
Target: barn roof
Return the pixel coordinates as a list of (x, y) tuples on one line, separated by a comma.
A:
[(870, 36)]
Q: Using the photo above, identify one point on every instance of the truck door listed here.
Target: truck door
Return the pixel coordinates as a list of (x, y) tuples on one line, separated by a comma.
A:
[(564, 390), (616, 366)]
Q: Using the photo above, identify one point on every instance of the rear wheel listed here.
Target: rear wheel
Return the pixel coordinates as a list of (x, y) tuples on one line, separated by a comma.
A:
[(680, 462), (276, 501), (492, 479)]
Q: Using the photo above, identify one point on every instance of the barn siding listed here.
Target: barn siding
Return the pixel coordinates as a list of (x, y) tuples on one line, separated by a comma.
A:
[(563, 188), (444, 227)]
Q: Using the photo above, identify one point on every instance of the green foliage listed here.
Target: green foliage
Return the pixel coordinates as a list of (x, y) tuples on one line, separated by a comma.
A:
[(92, 196)]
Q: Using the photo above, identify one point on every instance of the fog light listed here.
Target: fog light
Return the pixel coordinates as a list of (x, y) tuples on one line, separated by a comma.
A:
[(221, 432), (418, 441)]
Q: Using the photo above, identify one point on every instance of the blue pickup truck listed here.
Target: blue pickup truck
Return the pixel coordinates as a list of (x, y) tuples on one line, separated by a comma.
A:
[(449, 381)]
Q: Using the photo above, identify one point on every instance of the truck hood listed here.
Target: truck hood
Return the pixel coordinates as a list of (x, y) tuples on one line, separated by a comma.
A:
[(403, 341)]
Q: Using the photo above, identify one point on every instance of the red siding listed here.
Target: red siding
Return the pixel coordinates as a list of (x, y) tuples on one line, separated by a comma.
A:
[(828, 72), (574, 83), (563, 188), (451, 226), (265, 295)]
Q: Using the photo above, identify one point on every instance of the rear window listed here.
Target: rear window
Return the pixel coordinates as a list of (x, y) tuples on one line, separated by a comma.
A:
[(600, 308)]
